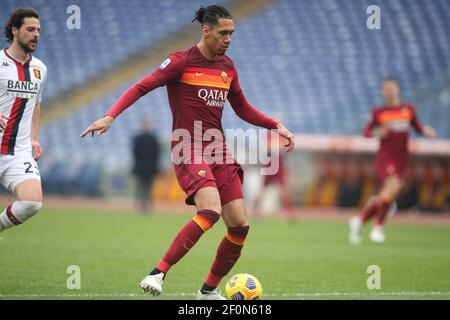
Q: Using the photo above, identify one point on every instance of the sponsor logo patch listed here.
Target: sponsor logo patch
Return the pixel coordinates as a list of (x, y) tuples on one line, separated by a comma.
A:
[(165, 63)]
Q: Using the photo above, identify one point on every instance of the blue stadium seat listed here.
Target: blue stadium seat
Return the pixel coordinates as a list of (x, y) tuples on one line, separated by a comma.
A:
[(313, 62), (111, 31)]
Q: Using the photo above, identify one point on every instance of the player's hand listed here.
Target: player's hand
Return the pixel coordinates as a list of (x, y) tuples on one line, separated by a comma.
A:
[(383, 132), (37, 149), (100, 126), (3, 121), (285, 133), (429, 132)]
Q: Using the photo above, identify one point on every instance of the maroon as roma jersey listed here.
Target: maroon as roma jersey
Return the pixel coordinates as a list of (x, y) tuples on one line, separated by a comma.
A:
[(392, 155)]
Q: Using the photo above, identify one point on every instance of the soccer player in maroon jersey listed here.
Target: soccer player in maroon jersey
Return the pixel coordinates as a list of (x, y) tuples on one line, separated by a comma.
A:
[(393, 119), (199, 80)]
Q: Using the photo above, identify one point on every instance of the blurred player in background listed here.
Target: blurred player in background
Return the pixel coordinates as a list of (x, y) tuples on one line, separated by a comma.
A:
[(146, 152), (22, 79), (199, 80), (278, 179), (393, 119)]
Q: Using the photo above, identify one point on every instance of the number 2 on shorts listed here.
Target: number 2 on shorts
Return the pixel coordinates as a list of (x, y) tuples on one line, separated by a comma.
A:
[(29, 166)]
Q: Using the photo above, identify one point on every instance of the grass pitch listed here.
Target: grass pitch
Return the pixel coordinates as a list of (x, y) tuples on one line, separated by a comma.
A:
[(307, 259)]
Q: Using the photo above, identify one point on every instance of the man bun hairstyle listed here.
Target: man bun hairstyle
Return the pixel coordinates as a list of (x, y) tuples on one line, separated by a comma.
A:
[(16, 20), (211, 14)]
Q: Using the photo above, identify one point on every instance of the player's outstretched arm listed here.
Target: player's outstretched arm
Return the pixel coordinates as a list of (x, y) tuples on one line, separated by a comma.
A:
[(99, 126), (170, 70), (429, 132), (126, 100), (369, 128)]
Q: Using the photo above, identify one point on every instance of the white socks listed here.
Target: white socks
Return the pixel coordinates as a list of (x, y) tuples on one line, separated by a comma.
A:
[(18, 213)]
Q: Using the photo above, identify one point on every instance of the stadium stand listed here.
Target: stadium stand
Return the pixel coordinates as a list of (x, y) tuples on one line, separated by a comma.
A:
[(314, 62), (111, 31)]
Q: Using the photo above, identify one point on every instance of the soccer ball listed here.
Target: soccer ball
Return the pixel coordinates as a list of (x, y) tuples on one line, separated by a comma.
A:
[(243, 286)]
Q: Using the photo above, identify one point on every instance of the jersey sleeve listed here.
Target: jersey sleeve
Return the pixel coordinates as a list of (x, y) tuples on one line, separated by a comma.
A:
[(169, 71), (235, 87), (415, 121), (42, 87), (245, 110), (373, 122)]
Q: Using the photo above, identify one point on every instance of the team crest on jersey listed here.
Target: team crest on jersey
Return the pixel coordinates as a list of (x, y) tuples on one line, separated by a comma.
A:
[(224, 76), (37, 73), (165, 63), (202, 173)]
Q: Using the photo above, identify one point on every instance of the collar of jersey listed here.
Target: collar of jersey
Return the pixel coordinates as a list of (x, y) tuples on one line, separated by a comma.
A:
[(15, 60)]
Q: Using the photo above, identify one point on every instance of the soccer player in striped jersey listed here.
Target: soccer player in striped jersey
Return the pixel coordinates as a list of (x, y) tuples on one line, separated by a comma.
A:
[(22, 79), (199, 80), (394, 120)]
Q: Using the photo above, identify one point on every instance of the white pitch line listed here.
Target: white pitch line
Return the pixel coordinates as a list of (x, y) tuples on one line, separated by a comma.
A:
[(399, 293), (185, 294), (68, 295)]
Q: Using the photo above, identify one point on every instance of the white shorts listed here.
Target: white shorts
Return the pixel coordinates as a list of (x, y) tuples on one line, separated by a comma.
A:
[(15, 169)]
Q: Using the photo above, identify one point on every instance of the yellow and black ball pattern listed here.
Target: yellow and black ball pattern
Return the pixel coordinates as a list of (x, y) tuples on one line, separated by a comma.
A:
[(243, 286)]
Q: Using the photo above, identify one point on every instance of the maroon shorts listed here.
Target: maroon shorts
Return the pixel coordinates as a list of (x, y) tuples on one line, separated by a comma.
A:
[(227, 178), (385, 169)]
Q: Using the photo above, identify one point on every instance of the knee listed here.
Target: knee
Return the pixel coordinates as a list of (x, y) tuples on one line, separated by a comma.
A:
[(391, 194), (208, 199), (397, 188), (210, 204), (388, 197), (25, 209), (393, 185), (240, 223), (237, 221)]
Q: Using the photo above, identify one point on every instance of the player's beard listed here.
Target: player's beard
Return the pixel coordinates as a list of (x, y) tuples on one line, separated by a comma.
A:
[(221, 52), (25, 47)]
